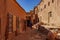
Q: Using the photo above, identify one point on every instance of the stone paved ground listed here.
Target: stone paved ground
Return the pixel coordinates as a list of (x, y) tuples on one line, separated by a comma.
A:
[(30, 35)]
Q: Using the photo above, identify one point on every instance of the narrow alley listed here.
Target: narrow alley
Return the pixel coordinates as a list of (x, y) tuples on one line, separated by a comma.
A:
[(30, 35), (29, 19)]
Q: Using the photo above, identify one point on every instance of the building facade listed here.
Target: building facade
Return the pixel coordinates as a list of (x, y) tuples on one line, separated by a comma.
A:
[(48, 12), (29, 18), (12, 17), (32, 17)]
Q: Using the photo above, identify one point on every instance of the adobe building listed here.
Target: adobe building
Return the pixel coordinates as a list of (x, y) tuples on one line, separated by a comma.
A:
[(12, 17), (32, 17), (49, 12), (36, 14), (29, 19)]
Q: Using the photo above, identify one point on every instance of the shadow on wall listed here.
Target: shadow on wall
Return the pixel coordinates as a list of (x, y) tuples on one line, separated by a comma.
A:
[(48, 33)]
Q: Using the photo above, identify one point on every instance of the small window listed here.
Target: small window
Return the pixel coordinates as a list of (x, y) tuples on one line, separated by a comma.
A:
[(48, 3), (52, 1), (44, 6), (50, 14), (41, 9)]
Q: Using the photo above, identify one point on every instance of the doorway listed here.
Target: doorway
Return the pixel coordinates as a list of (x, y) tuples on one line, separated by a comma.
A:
[(9, 26)]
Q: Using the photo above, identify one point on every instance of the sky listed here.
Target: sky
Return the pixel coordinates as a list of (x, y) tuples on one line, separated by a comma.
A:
[(28, 5)]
